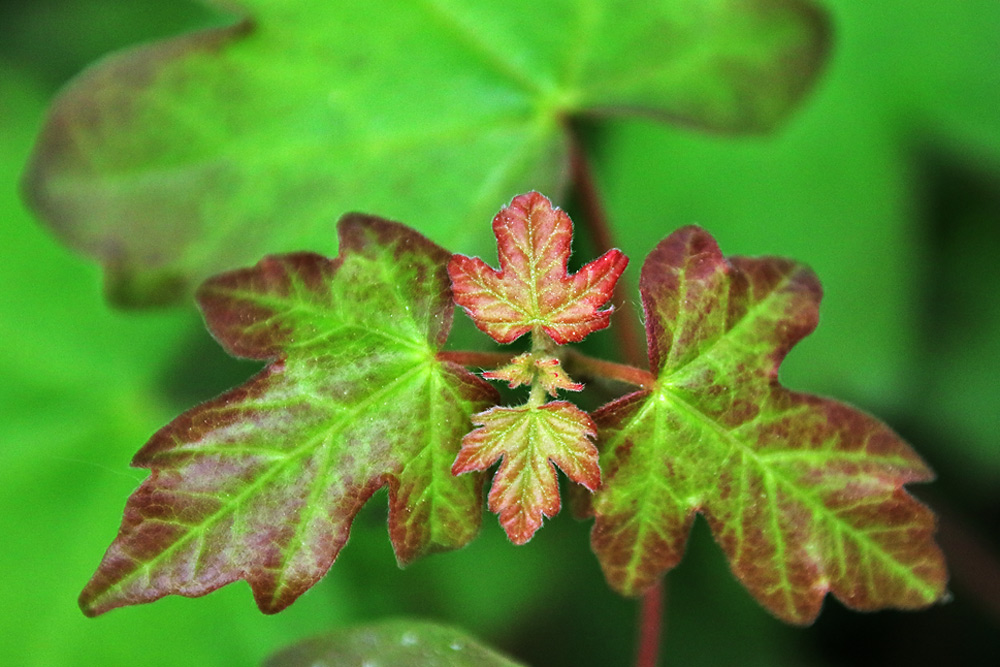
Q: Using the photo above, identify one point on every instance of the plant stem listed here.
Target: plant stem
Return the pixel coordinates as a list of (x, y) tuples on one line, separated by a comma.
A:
[(596, 223), (586, 365), (630, 336), (477, 359), (650, 626)]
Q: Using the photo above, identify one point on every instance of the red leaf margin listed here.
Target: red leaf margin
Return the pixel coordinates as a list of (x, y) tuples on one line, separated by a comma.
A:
[(634, 558), (508, 303), (158, 512)]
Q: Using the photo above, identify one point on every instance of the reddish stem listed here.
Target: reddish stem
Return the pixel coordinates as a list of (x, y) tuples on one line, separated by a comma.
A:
[(650, 626), (630, 336), (608, 369), (596, 223)]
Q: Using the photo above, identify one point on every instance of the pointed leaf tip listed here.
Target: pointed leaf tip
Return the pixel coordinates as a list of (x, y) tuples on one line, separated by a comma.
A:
[(263, 483), (804, 494), (532, 288), (531, 441)]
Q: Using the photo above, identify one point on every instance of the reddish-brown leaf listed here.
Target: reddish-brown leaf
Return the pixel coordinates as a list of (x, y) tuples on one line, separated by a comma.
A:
[(530, 440), (532, 289), (804, 494)]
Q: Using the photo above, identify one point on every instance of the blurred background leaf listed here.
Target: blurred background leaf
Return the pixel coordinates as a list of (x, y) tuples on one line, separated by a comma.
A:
[(886, 181), (250, 138)]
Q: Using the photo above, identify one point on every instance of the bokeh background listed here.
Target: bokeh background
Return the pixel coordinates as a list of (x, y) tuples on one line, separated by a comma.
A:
[(886, 181)]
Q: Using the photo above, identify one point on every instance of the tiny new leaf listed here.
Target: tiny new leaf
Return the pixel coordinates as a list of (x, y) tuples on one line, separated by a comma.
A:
[(804, 494), (263, 482), (532, 288), (527, 368), (530, 439)]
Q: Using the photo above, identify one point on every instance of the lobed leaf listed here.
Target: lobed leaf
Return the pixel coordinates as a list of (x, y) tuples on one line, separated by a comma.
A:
[(531, 441), (524, 369), (301, 110), (263, 482), (532, 288), (804, 494)]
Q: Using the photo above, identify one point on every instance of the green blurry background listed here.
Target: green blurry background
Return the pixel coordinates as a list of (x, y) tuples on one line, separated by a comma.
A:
[(887, 182)]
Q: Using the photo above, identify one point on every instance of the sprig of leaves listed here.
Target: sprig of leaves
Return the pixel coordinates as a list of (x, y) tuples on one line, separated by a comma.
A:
[(532, 292), (804, 494)]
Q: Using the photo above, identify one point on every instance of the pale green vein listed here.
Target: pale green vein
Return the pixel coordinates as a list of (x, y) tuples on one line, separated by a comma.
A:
[(235, 502), (725, 439), (730, 335), (466, 35)]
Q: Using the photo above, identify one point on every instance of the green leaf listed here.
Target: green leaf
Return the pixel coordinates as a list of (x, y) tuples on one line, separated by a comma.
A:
[(306, 109), (804, 494), (398, 642), (262, 483), (531, 440)]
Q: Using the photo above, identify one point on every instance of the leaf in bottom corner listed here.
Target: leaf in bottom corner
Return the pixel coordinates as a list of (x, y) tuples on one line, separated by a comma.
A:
[(262, 483), (397, 642), (804, 494)]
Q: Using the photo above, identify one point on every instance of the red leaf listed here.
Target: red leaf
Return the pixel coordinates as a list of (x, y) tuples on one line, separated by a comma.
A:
[(530, 440), (532, 288)]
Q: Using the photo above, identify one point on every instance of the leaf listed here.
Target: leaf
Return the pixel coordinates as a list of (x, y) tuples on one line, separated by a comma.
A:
[(804, 494), (262, 483), (524, 369), (532, 289), (303, 110), (397, 642), (532, 441)]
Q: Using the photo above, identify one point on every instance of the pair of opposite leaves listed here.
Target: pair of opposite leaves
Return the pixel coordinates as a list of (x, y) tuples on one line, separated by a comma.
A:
[(805, 495)]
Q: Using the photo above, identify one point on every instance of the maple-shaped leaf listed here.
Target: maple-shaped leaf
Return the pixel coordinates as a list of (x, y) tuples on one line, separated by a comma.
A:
[(532, 288), (530, 439), (262, 483), (524, 369), (804, 494), (301, 110)]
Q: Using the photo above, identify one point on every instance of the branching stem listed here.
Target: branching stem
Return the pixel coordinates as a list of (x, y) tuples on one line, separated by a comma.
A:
[(630, 337), (584, 365), (577, 363)]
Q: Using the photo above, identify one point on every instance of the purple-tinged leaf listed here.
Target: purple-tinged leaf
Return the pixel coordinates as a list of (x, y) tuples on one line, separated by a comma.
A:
[(804, 494), (262, 483)]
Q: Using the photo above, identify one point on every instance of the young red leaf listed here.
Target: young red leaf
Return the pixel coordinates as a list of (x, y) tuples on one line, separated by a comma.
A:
[(804, 494), (263, 483), (530, 440), (532, 288), (527, 368)]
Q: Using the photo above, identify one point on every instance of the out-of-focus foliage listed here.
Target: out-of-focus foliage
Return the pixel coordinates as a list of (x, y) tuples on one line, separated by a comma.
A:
[(397, 642), (247, 139), (895, 157)]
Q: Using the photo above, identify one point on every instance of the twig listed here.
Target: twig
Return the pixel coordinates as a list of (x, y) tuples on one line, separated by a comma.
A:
[(596, 223), (630, 337)]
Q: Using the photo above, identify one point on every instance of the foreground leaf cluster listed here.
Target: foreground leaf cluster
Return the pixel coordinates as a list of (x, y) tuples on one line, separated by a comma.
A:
[(805, 495)]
